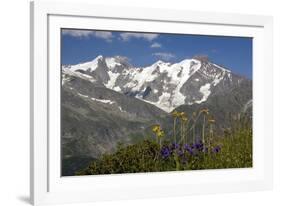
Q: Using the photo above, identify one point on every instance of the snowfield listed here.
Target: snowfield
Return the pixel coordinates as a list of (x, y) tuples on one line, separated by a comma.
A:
[(160, 84)]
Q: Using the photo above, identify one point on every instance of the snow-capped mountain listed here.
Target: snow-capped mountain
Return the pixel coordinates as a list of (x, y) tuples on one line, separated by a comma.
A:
[(162, 84), (108, 101)]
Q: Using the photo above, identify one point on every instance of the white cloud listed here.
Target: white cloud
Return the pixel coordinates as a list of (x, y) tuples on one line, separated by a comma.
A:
[(156, 45), (77, 33), (164, 55), (127, 36), (104, 35), (86, 33)]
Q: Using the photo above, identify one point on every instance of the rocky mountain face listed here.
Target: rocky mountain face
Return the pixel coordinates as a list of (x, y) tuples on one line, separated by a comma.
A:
[(107, 101), (162, 84)]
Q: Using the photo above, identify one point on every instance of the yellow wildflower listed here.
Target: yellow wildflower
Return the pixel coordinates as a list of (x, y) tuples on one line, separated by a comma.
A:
[(184, 119), (156, 128), (211, 121), (183, 116), (206, 111), (160, 133), (175, 114)]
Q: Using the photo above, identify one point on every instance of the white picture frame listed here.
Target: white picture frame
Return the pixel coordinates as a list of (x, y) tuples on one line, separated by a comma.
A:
[(47, 18)]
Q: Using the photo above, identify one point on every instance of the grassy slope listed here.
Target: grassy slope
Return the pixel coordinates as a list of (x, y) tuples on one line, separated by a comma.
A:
[(146, 156)]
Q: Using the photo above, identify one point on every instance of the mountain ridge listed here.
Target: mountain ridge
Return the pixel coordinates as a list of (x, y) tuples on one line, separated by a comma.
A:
[(163, 84)]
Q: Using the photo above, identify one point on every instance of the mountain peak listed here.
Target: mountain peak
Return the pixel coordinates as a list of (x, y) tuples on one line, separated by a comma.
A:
[(202, 58), (188, 62), (122, 60), (99, 57), (164, 84), (159, 62)]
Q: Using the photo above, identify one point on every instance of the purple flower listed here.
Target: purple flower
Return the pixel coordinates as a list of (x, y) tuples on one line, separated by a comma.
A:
[(180, 153), (192, 146), (189, 148), (165, 152), (175, 146), (186, 146), (216, 149), (199, 145)]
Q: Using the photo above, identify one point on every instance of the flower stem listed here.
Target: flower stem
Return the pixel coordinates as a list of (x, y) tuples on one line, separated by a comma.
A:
[(194, 134), (203, 131), (175, 139)]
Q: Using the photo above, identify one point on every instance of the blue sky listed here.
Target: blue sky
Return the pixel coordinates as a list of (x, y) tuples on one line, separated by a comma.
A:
[(143, 49)]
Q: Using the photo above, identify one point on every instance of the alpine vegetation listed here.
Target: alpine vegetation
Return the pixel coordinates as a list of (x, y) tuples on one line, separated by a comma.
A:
[(160, 153)]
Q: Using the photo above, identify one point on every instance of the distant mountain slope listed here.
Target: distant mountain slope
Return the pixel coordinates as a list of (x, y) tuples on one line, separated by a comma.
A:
[(226, 106), (95, 118)]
